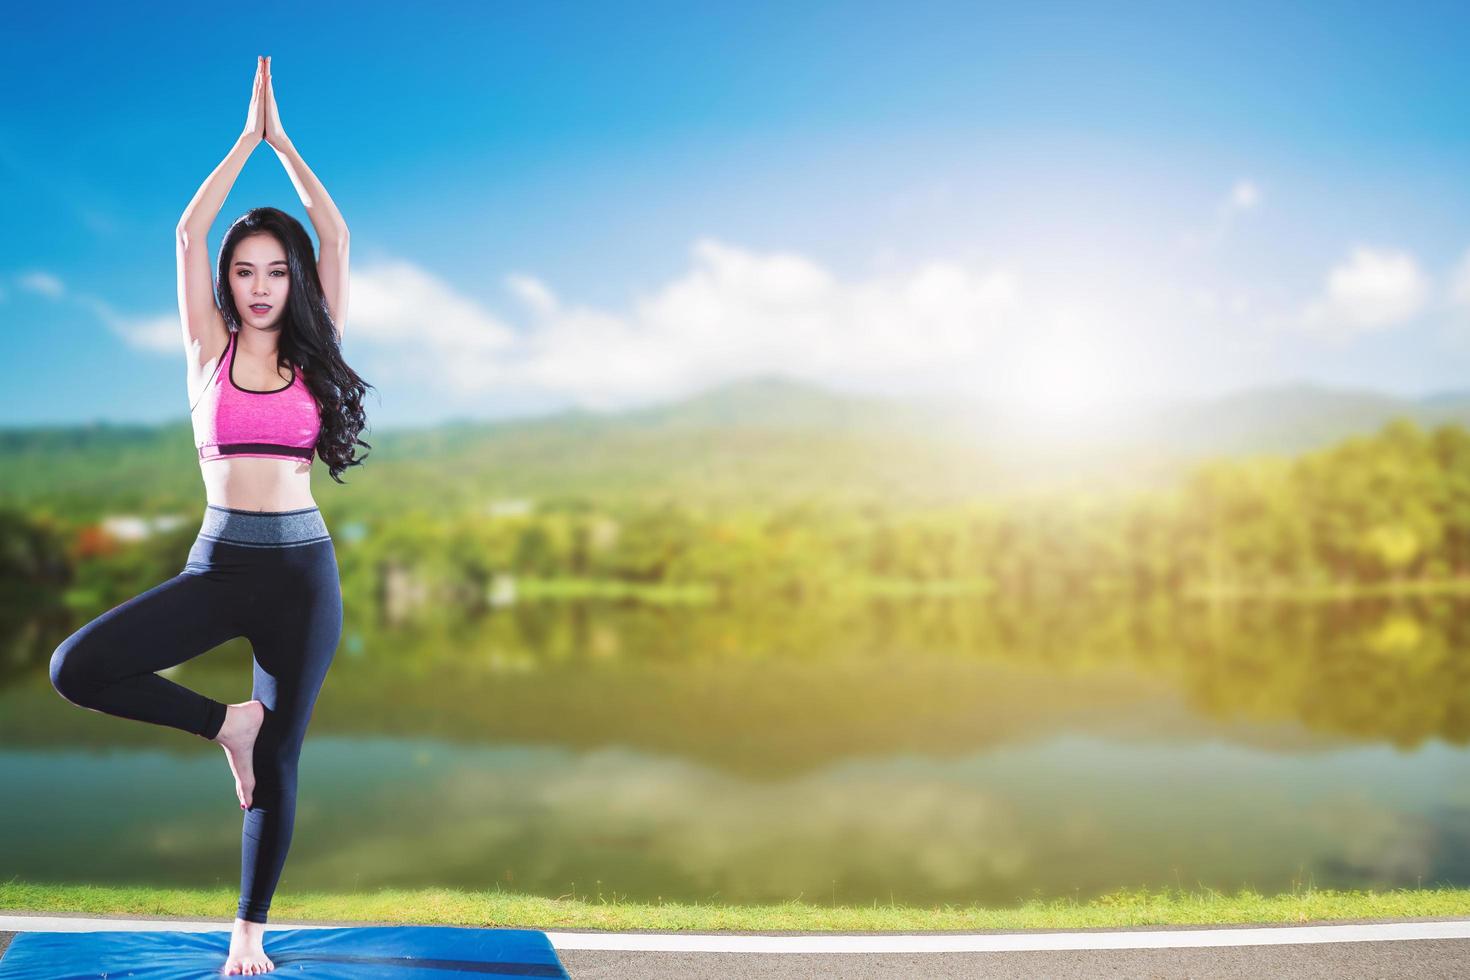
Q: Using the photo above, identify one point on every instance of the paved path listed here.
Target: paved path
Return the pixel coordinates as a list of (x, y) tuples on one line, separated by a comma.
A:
[(1420, 948)]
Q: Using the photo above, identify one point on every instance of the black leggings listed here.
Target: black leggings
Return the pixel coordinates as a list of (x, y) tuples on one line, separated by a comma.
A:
[(269, 576)]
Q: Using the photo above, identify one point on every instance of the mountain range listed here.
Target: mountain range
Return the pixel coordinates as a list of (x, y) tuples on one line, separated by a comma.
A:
[(773, 436)]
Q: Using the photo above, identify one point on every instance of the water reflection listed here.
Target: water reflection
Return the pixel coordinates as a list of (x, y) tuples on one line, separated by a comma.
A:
[(920, 751), (1070, 815)]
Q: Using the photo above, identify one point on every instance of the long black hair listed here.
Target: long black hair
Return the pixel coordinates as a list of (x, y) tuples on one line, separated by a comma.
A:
[(308, 337)]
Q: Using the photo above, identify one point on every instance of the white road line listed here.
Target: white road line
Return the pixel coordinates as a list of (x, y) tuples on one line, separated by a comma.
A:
[(883, 943), (1008, 942)]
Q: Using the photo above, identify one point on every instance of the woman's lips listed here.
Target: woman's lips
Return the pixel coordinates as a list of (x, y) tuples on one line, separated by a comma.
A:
[(260, 307)]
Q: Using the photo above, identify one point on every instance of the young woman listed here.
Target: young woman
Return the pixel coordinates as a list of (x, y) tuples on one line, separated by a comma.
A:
[(268, 389)]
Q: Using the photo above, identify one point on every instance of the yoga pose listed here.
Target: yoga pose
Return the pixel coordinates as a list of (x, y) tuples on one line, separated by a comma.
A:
[(268, 389)]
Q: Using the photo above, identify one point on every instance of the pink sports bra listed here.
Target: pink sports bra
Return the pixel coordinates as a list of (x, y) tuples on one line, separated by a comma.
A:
[(282, 423)]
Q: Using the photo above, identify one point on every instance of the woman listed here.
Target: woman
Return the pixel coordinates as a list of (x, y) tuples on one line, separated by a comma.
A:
[(267, 388)]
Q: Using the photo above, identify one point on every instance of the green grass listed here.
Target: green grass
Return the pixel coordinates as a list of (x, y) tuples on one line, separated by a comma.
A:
[(442, 906)]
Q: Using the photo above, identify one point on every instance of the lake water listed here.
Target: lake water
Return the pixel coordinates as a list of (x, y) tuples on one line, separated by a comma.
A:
[(916, 751)]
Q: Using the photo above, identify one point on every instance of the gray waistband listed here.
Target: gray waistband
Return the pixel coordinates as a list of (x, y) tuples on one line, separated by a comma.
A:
[(263, 528)]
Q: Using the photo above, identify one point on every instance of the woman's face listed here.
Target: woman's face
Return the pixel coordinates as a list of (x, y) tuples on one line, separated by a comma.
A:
[(259, 277)]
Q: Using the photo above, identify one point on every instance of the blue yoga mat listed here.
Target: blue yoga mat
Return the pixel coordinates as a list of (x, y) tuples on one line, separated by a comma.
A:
[(396, 952)]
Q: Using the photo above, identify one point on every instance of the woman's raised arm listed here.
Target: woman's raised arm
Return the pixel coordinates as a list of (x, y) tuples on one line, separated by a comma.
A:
[(205, 333), (210, 197), (331, 229)]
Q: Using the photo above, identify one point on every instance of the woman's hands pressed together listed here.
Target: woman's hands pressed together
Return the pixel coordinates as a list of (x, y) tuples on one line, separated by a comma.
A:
[(255, 116), (274, 134)]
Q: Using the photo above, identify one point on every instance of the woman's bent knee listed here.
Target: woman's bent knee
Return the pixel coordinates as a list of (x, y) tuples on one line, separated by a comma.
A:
[(68, 669)]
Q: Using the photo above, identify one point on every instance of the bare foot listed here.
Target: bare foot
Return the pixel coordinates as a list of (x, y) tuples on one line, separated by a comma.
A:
[(247, 951), (237, 735)]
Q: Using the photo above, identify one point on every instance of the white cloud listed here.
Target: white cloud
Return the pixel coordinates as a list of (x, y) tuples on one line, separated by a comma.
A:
[(733, 313), (1244, 195), (44, 283), (160, 334), (155, 334), (435, 332), (533, 293), (1372, 289), (1074, 340)]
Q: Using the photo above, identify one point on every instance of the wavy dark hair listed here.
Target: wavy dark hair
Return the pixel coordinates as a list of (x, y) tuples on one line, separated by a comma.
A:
[(308, 337)]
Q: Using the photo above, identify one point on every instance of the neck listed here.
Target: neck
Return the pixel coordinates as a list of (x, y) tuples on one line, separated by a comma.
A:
[(258, 342)]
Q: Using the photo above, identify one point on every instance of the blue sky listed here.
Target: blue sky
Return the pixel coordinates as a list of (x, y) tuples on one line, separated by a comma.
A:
[(1065, 207)]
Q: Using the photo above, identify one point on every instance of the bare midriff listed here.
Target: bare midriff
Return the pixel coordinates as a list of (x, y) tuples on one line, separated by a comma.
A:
[(257, 483)]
